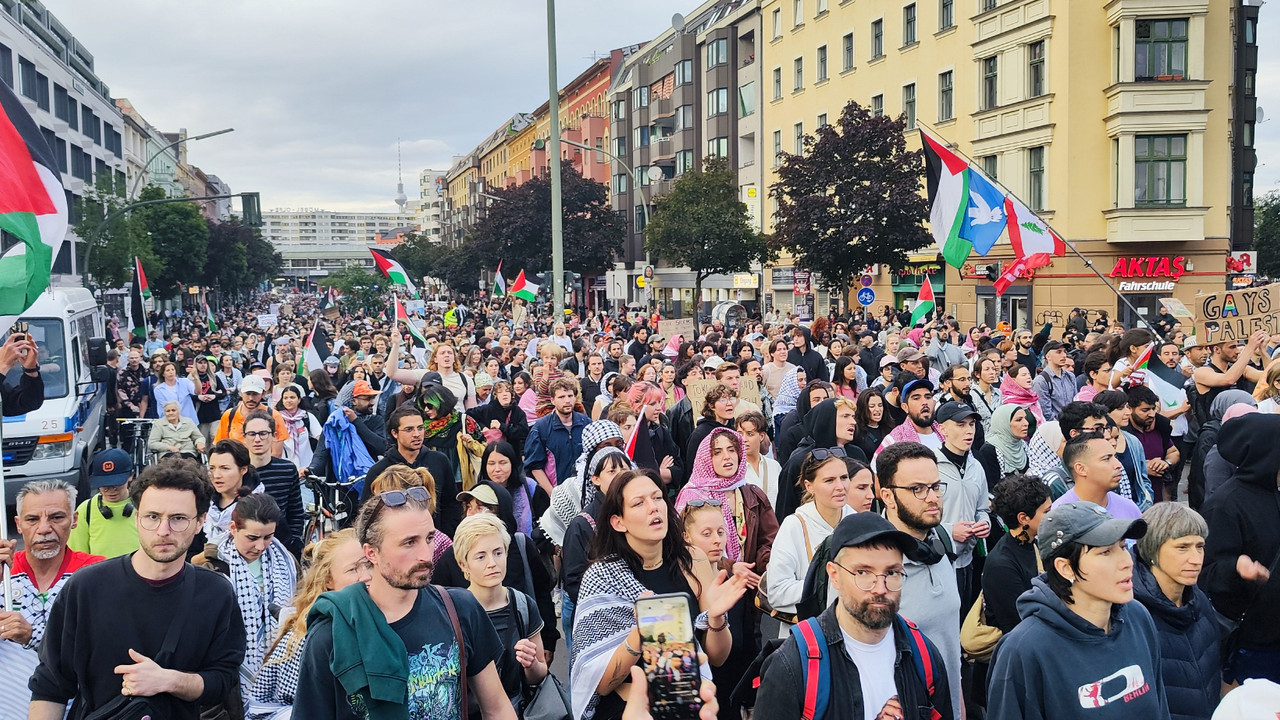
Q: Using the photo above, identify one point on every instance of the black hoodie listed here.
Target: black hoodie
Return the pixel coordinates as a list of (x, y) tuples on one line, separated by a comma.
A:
[(1242, 516), (791, 430), (820, 432), (815, 367)]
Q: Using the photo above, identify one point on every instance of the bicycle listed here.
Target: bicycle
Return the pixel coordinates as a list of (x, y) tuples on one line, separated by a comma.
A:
[(139, 453), (330, 508)]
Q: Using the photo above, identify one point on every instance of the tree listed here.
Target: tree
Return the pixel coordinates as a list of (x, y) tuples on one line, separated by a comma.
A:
[(179, 238), (262, 262), (516, 227), (1266, 234), (230, 271), (852, 199), (111, 249), (701, 224), (361, 289)]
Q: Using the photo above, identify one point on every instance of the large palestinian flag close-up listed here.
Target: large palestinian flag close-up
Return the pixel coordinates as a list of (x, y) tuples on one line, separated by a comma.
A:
[(394, 271), (33, 208)]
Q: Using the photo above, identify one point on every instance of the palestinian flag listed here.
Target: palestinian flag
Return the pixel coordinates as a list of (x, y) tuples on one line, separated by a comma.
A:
[(137, 309), (316, 350), (499, 284), (33, 208), (403, 317), (142, 278), (524, 289), (925, 303), (394, 271), (208, 314), (947, 178)]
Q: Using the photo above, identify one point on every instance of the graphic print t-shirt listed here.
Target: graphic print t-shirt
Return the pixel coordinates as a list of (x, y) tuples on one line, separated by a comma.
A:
[(434, 690)]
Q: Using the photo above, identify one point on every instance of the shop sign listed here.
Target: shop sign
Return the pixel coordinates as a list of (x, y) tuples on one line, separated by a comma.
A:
[(929, 269), (782, 276), (801, 285), (1166, 286), (1150, 267), (744, 281)]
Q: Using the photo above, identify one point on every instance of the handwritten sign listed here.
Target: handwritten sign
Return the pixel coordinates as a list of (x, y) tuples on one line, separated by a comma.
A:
[(1177, 308), (1234, 315), (286, 310), (748, 394), (681, 326), (268, 320)]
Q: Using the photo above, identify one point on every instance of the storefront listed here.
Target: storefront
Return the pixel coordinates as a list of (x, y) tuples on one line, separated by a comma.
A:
[(906, 282), (1143, 281)]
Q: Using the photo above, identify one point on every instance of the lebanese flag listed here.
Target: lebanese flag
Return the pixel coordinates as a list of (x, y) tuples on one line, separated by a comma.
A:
[(143, 286), (524, 289), (947, 179), (1028, 234), (33, 208), (394, 271)]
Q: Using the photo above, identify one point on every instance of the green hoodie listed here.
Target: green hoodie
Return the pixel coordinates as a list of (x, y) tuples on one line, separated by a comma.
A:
[(369, 658)]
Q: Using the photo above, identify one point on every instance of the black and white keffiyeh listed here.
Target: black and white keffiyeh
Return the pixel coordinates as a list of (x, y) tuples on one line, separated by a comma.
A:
[(274, 687), (279, 580)]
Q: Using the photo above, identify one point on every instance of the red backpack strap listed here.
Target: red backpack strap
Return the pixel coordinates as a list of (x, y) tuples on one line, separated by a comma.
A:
[(924, 663), (811, 655)]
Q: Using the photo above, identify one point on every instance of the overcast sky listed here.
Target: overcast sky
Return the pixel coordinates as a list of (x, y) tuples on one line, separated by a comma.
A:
[(319, 90)]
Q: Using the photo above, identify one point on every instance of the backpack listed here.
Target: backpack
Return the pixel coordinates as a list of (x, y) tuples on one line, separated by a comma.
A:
[(815, 667)]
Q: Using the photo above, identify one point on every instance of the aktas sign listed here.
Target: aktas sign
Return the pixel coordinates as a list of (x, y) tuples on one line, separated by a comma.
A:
[(1150, 267)]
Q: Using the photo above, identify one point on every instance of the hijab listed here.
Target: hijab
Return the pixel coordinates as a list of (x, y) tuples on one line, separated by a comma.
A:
[(788, 393), (1012, 451), (1226, 399)]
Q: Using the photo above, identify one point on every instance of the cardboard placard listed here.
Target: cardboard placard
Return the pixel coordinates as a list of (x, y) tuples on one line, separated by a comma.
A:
[(268, 320), (1234, 315), (748, 391), (1177, 308), (286, 310), (332, 312), (680, 326)]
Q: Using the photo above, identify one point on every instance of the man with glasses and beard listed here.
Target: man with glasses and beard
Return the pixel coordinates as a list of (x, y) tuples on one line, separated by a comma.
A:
[(110, 637), (911, 492), (231, 426), (358, 627), (875, 676)]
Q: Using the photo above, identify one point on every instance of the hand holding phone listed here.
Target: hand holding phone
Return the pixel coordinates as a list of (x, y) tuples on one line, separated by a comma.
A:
[(669, 656)]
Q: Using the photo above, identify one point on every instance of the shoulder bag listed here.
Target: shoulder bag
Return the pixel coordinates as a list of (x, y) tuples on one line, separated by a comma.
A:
[(762, 592), (977, 638), (549, 699)]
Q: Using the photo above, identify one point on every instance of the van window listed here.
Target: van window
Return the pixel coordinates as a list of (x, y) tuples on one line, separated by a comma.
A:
[(52, 347)]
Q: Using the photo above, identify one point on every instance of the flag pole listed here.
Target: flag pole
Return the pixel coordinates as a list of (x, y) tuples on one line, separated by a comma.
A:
[(4, 529), (1087, 262)]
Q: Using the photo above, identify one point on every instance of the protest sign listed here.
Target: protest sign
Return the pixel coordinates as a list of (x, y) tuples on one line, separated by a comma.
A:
[(748, 392), (681, 326), (1234, 315), (267, 321)]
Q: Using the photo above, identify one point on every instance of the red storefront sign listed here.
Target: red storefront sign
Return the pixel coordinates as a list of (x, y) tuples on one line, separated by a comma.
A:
[(1149, 267)]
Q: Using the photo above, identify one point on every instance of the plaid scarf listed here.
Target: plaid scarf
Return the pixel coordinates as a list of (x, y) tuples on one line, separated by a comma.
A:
[(279, 580)]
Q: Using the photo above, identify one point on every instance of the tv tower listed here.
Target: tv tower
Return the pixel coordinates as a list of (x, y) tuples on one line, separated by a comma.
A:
[(401, 198)]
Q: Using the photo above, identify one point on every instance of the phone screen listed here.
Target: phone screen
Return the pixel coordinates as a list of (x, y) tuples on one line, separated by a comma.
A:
[(669, 656)]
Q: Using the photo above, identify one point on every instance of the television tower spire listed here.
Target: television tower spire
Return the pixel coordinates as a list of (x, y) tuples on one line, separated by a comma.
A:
[(401, 198)]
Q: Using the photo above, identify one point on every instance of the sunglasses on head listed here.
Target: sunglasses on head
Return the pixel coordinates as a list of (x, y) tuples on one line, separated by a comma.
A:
[(824, 454), (704, 502), (396, 498)]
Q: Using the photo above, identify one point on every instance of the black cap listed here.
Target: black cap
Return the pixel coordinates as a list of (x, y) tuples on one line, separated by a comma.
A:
[(1053, 345), (954, 410), (1085, 523), (861, 528)]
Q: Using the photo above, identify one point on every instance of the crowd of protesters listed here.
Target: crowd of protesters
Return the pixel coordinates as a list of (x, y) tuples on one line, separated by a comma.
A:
[(989, 522)]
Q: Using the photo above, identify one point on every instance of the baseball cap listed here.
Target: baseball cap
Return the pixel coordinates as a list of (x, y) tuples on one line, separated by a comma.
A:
[(1189, 342), (861, 528), (331, 360), (362, 387), (911, 386), (1054, 345), (253, 384), (110, 467), (1085, 523), (161, 352), (954, 410), (888, 360), (483, 493), (909, 354), (656, 338)]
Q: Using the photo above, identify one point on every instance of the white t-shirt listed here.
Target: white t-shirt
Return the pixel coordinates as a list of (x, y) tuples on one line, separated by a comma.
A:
[(772, 472), (875, 671), (933, 440)]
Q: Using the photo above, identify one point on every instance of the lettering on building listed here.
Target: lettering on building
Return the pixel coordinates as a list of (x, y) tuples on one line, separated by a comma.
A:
[(1150, 267)]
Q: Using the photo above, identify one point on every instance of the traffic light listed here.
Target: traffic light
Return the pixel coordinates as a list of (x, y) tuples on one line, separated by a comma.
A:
[(251, 203), (992, 272)]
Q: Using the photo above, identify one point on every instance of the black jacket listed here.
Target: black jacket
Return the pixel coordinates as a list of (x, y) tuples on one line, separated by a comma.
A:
[(680, 420), (791, 430), (27, 396), (820, 432), (782, 679), (1242, 521), (511, 421), (448, 509), (370, 430), (815, 366)]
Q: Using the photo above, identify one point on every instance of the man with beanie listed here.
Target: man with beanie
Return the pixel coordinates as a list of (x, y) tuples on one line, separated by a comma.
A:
[(104, 521)]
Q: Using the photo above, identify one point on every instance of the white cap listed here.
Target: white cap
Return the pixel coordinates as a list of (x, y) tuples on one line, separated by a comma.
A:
[(1256, 698), (253, 384)]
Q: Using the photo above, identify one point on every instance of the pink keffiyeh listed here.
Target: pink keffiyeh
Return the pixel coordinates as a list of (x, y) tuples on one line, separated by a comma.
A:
[(1014, 394), (705, 483)]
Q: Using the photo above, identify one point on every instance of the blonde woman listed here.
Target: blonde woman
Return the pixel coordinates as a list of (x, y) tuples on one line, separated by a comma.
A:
[(403, 477), (1267, 393), (481, 547), (332, 564)]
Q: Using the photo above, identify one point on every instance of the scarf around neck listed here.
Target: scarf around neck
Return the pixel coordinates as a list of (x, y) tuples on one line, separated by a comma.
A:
[(704, 480), (279, 579)]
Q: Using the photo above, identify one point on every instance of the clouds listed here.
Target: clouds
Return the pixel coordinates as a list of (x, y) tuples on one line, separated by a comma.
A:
[(319, 90)]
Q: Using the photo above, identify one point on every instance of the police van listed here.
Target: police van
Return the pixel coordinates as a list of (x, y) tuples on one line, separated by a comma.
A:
[(58, 440)]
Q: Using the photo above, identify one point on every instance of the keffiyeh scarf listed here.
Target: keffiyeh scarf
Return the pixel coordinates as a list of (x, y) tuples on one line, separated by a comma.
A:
[(567, 499), (704, 481), (1015, 394), (788, 393), (279, 580)]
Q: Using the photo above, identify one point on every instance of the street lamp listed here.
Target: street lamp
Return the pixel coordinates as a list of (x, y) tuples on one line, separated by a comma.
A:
[(134, 190)]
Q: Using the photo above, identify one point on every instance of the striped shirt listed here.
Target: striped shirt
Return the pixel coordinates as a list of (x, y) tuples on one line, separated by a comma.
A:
[(279, 479)]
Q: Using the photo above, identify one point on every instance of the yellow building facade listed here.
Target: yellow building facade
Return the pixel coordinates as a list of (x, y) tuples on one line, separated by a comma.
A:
[(1113, 120)]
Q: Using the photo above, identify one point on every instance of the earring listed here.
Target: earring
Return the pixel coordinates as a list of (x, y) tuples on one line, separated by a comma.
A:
[(1071, 581)]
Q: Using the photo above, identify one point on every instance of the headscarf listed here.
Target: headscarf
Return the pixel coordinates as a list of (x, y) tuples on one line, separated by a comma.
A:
[(672, 348), (1012, 451), (705, 480), (589, 490), (1014, 394), (606, 396), (1226, 399), (1237, 410), (788, 393)]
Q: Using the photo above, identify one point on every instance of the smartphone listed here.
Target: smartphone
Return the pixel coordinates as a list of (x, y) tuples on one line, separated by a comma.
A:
[(669, 656)]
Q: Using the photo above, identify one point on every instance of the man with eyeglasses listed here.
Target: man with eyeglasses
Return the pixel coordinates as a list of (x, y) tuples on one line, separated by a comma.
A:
[(231, 426), (360, 628), (875, 675), (279, 478), (407, 428), (106, 634), (911, 492)]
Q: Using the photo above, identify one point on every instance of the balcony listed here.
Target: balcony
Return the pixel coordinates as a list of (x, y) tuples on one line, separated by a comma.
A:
[(1155, 224)]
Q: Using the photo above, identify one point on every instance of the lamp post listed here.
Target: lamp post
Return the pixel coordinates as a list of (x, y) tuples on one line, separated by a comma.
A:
[(557, 208), (134, 190)]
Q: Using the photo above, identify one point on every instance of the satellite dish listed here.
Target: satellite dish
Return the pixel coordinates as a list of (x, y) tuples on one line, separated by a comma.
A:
[(677, 22), (1261, 115), (655, 173)]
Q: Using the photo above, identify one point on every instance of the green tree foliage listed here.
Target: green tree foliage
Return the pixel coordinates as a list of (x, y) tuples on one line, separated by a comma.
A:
[(516, 228), (179, 238), (261, 259), (1266, 234), (852, 199), (112, 248), (361, 289), (701, 224), (230, 268), (458, 267)]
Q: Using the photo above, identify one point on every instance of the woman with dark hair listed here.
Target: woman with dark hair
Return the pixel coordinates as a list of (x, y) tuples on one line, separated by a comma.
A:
[(844, 378), (304, 428), (872, 423), (1082, 642), (503, 465), (233, 477), (686, 353), (680, 417), (718, 410), (323, 393), (1125, 357), (450, 432), (501, 418), (639, 547)]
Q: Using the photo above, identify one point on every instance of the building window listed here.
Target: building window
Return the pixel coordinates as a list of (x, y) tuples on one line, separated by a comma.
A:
[(777, 83), (989, 5), (1250, 31), (640, 137), (6, 66), (747, 100), (1250, 82), (946, 96), (684, 117), (1035, 178), (799, 139), (822, 120), (717, 53), (1161, 47), (946, 14), (640, 217), (822, 64), (684, 72), (777, 148), (777, 23), (877, 39), (60, 149), (619, 109), (619, 183), (990, 165), (877, 105), (798, 17), (1035, 69), (909, 25), (822, 8), (1160, 170), (848, 52), (640, 97), (620, 146), (718, 147), (717, 102), (798, 80), (909, 105), (684, 161), (990, 83)]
